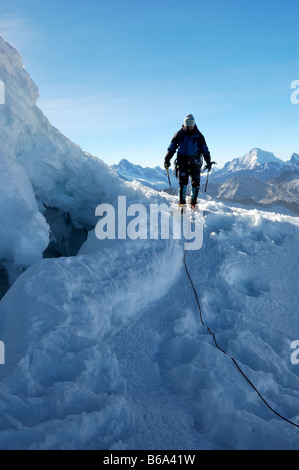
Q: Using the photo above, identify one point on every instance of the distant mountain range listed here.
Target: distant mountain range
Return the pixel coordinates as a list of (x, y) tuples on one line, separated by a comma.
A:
[(155, 178), (259, 164), (257, 177)]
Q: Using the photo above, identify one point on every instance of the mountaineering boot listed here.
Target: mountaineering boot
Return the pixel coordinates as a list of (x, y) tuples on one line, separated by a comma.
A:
[(182, 208)]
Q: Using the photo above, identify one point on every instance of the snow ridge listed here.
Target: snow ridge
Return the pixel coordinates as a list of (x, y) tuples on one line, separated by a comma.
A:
[(46, 170)]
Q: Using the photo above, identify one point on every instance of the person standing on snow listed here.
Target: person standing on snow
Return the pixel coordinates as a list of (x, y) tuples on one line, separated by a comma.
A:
[(191, 146)]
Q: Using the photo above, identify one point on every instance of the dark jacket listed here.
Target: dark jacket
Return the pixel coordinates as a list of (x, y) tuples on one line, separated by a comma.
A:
[(188, 144)]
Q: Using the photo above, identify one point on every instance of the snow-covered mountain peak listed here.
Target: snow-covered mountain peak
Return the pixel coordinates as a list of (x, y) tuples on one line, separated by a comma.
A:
[(152, 177), (260, 163), (253, 159), (295, 159), (125, 165), (125, 162)]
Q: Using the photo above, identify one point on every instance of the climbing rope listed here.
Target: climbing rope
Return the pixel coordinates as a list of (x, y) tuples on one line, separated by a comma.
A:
[(224, 352)]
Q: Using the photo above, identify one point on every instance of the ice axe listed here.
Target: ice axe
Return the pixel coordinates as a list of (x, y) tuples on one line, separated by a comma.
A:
[(212, 163), (168, 177)]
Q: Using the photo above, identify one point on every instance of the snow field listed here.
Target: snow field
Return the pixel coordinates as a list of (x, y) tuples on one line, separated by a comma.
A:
[(62, 377), (251, 305), (106, 350), (203, 386)]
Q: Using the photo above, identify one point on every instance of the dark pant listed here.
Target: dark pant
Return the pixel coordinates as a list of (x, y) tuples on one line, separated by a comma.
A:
[(189, 167)]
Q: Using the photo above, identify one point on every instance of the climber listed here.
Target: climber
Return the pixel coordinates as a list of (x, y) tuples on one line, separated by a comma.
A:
[(191, 148)]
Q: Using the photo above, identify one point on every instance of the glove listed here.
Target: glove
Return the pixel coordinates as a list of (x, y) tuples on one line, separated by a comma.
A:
[(209, 166), (166, 163)]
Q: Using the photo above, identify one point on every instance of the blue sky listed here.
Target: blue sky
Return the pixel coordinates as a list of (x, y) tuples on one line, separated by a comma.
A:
[(118, 76)]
